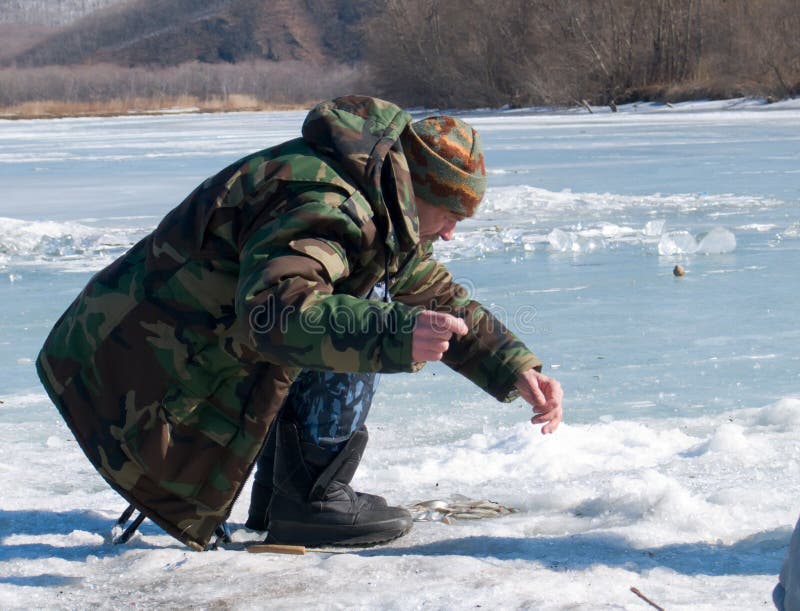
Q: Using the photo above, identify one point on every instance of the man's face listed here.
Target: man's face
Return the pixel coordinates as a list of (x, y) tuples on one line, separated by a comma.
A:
[(436, 221)]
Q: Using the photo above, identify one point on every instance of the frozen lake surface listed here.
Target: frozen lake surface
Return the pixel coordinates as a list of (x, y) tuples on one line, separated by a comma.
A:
[(675, 471)]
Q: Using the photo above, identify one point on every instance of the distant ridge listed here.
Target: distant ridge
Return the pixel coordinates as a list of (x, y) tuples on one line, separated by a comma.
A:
[(171, 32)]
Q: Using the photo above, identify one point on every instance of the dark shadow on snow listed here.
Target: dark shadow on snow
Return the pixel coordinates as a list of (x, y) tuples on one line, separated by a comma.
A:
[(759, 554), (41, 581), (59, 524)]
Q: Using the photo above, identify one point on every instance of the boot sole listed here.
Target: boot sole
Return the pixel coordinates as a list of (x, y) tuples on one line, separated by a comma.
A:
[(301, 533)]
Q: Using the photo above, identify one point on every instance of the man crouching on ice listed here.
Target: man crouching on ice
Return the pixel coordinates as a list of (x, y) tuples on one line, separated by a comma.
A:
[(266, 303)]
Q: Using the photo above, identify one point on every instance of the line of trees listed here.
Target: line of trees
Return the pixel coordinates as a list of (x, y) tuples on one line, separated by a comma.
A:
[(465, 53), (521, 52)]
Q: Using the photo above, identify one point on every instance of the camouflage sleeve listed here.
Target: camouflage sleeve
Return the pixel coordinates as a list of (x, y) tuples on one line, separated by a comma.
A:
[(490, 355), (289, 268)]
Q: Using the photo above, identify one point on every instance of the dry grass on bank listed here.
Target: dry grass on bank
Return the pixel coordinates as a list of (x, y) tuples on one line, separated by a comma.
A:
[(53, 109), (105, 89)]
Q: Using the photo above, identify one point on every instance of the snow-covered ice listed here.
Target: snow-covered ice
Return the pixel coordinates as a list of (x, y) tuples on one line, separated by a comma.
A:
[(675, 472)]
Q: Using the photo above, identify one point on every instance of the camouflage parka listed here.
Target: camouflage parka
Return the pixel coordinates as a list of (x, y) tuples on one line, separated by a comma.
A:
[(173, 360)]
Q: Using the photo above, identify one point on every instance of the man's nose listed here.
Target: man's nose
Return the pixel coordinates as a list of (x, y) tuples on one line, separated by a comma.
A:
[(447, 232)]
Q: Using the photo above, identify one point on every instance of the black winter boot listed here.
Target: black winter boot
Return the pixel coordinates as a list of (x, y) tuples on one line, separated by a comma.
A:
[(313, 503), (261, 494)]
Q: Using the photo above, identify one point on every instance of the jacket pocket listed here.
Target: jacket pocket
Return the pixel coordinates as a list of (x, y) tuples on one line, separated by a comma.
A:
[(150, 441), (200, 415), (204, 399), (179, 443), (177, 436)]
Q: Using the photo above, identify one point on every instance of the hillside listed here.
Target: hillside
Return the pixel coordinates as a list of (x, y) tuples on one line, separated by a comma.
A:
[(51, 13), (26, 23), (234, 54), (172, 32)]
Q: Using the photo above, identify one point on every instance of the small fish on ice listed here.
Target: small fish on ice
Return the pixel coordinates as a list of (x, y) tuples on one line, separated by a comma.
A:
[(457, 508)]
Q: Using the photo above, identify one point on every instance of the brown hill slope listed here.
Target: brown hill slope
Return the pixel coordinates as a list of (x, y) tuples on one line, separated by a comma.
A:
[(51, 13), (170, 32), (15, 38)]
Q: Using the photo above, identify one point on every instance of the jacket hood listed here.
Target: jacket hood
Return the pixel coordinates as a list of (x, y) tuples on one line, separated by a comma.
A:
[(362, 135)]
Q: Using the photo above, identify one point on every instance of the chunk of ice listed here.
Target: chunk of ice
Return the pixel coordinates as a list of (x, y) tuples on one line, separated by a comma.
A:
[(677, 243), (792, 231), (610, 230), (560, 240), (717, 241), (654, 228)]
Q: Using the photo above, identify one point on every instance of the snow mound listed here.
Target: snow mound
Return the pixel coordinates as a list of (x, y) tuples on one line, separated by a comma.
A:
[(783, 414)]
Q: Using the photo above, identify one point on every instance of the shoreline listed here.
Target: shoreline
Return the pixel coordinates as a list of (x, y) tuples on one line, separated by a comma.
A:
[(54, 109)]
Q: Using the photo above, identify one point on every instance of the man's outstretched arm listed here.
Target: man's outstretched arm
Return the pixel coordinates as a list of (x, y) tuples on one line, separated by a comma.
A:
[(431, 340), (489, 354)]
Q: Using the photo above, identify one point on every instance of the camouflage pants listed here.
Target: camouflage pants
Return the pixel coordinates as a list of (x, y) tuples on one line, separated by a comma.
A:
[(329, 407)]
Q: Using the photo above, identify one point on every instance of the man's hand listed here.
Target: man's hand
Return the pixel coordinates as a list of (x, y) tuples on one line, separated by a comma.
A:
[(545, 395), (432, 333)]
